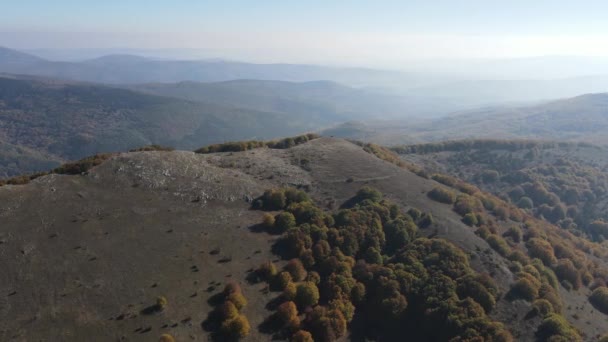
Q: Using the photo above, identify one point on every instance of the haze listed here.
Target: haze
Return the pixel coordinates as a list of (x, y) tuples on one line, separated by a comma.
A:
[(441, 36)]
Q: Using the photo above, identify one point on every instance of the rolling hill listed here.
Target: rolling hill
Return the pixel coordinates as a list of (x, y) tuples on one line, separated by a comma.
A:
[(146, 242), (65, 120), (316, 100), (582, 118)]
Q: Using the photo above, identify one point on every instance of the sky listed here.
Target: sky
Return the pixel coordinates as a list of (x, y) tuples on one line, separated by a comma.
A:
[(357, 32)]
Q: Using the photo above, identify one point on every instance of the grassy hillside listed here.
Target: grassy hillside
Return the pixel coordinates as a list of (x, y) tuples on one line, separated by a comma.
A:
[(344, 241)]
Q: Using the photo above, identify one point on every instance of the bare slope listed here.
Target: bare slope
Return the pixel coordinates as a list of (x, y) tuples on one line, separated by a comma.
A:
[(84, 255)]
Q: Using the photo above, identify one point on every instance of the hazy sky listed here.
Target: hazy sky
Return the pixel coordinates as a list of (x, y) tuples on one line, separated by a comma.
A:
[(356, 32)]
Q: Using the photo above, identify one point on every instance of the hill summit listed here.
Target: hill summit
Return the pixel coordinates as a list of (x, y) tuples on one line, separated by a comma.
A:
[(323, 239)]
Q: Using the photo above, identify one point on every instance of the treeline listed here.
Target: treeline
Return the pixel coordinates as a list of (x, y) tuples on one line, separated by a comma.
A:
[(74, 168), (482, 144), (238, 146), (367, 268)]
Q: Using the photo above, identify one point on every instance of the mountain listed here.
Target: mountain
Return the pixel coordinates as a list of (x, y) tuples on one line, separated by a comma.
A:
[(582, 118), (317, 100), (130, 69), (71, 120), (13, 58), (156, 242)]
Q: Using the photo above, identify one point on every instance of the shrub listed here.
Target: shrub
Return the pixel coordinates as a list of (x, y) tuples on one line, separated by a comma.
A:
[(302, 336), (307, 294), (228, 311), (523, 288), (368, 193), (599, 299), (498, 244), (237, 299), (161, 302), (514, 233), (442, 195), (541, 249), (542, 307), (82, 165), (274, 199), (166, 338), (467, 204), (555, 328), (525, 203), (152, 148), (268, 221), (470, 219), (490, 176), (232, 287), (566, 271), (236, 328), (284, 221), (501, 212), (267, 271)]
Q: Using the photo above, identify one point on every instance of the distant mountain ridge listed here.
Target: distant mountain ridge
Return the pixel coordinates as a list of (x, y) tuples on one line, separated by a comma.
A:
[(120, 69)]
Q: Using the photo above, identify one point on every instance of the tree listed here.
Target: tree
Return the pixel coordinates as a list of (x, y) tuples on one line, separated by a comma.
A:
[(302, 336), (236, 328), (274, 199), (296, 269), (373, 256), (368, 193), (281, 280), (166, 338), (307, 294), (284, 221), (287, 311)]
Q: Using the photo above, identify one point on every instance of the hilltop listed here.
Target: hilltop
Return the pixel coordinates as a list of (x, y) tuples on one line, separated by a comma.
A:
[(104, 244)]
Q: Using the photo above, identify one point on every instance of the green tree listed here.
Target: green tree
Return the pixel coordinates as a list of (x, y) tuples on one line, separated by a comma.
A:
[(307, 294)]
